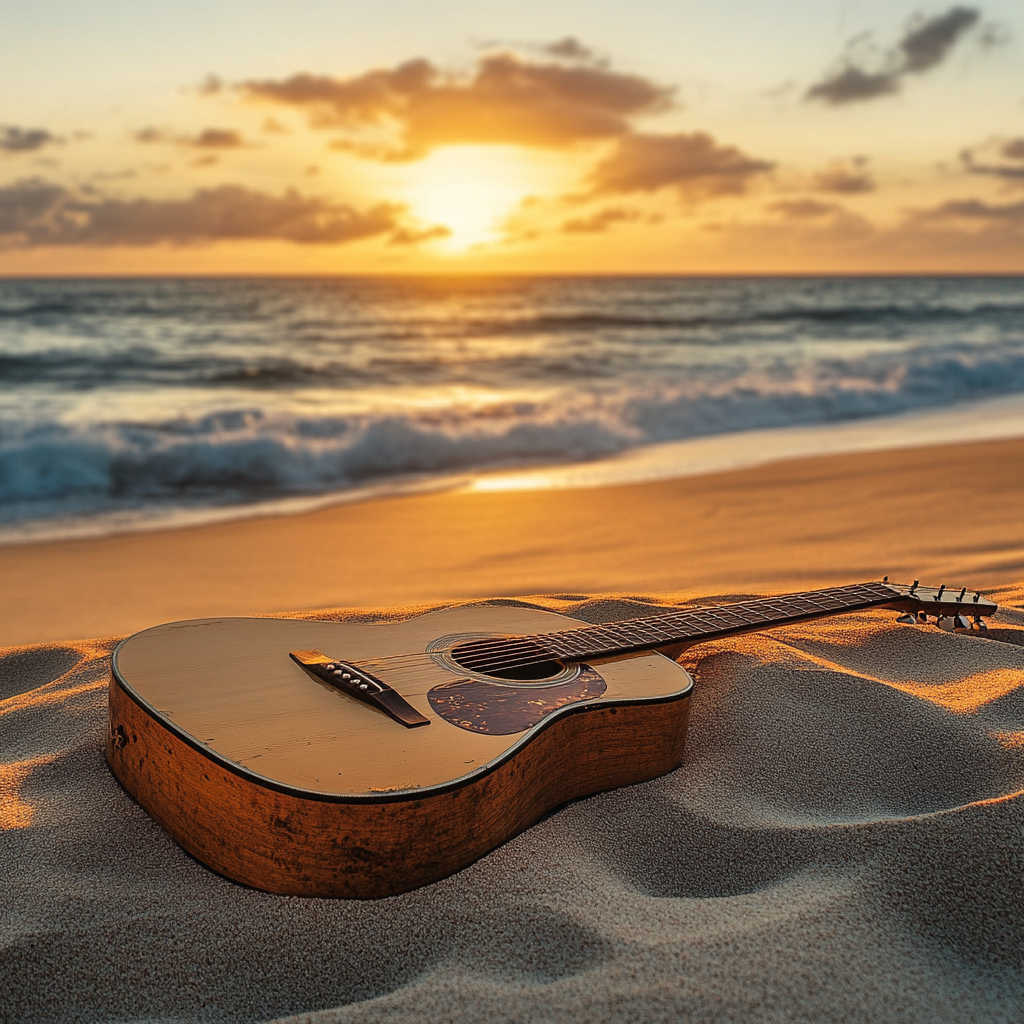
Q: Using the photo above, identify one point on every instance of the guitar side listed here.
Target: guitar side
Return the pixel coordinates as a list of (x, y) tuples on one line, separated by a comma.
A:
[(373, 841)]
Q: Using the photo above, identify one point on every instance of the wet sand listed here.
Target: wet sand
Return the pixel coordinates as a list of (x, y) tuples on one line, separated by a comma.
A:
[(950, 514)]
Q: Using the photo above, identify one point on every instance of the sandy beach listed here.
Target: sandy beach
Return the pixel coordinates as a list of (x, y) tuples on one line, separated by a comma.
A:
[(950, 514), (844, 841)]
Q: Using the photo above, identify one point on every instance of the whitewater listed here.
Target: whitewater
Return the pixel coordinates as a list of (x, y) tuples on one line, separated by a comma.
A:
[(133, 403)]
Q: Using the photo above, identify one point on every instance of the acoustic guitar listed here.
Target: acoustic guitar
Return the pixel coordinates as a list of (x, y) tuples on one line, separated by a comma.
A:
[(338, 759)]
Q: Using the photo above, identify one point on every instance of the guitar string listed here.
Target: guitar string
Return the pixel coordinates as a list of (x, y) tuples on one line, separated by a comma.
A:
[(405, 672), (516, 647)]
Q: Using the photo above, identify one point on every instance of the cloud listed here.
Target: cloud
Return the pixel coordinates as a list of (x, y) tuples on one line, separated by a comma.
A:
[(24, 140), (803, 209), (925, 44), (570, 48), (999, 158), (695, 164), (211, 85), (600, 221), (976, 210), (845, 178), (37, 212), (403, 113), (208, 138), (415, 236), (929, 40)]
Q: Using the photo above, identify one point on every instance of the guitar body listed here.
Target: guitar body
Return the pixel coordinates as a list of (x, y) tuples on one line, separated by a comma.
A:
[(271, 777)]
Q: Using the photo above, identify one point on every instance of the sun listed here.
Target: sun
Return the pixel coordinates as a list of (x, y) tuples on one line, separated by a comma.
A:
[(471, 190)]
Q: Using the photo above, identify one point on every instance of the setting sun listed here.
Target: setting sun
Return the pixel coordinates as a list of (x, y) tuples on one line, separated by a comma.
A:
[(472, 190)]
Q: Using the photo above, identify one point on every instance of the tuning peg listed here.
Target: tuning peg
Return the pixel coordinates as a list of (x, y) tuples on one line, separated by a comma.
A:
[(914, 585), (961, 624), (963, 590), (907, 619), (980, 624)]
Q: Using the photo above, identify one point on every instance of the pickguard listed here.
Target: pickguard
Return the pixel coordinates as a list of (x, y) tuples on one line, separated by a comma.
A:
[(499, 709)]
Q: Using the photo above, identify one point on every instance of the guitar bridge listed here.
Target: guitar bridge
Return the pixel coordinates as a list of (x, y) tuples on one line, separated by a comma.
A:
[(359, 684)]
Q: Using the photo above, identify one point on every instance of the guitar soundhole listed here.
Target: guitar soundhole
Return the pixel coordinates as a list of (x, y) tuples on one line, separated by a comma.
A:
[(526, 660), (542, 670), (500, 709)]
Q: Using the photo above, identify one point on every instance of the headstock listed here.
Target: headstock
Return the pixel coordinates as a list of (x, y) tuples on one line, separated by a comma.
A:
[(955, 609)]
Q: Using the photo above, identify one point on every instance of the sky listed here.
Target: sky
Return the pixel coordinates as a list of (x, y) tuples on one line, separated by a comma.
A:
[(780, 136)]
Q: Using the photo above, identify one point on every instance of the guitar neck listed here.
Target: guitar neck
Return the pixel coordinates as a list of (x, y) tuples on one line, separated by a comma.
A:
[(678, 629)]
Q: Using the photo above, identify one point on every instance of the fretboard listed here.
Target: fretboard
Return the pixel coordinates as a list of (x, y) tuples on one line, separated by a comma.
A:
[(670, 629)]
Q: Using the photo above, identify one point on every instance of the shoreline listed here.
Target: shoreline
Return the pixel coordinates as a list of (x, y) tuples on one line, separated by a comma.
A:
[(949, 511), (989, 420)]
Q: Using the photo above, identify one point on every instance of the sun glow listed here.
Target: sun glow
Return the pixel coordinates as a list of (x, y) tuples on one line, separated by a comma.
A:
[(472, 190)]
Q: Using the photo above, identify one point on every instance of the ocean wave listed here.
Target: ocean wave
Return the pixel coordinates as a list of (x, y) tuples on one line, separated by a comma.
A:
[(851, 315), (169, 394), (251, 454)]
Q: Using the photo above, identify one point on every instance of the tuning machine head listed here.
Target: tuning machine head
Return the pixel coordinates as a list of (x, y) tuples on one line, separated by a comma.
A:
[(951, 608)]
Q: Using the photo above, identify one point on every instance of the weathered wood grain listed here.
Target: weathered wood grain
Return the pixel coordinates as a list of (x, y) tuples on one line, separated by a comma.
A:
[(286, 841)]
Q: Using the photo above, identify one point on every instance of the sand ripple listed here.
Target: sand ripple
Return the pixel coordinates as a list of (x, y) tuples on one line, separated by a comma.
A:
[(844, 842)]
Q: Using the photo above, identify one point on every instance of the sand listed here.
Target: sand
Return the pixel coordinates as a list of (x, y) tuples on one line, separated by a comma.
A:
[(844, 841), (949, 514)]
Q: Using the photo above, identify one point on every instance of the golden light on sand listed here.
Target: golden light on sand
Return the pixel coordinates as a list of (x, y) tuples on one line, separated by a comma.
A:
[(471, 190), (16, 812)]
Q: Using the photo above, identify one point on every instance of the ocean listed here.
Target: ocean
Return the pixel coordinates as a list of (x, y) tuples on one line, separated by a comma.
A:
[(132, 403)]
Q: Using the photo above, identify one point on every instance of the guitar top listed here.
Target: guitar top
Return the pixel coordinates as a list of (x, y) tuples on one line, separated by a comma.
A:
[(231, 687), (357, 760)]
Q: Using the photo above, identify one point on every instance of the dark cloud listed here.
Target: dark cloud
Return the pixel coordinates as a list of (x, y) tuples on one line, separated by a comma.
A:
[(852, 84), (929, 40), (976, 210), (925, 44), (803, 209), (24, 140), (36, 212), (695, 164), (208, 138), (600, 221), (402, 113), (845, 178), (1001, 159)]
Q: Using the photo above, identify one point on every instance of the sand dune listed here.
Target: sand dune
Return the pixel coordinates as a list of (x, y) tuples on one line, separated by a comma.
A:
[(845, 841)]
